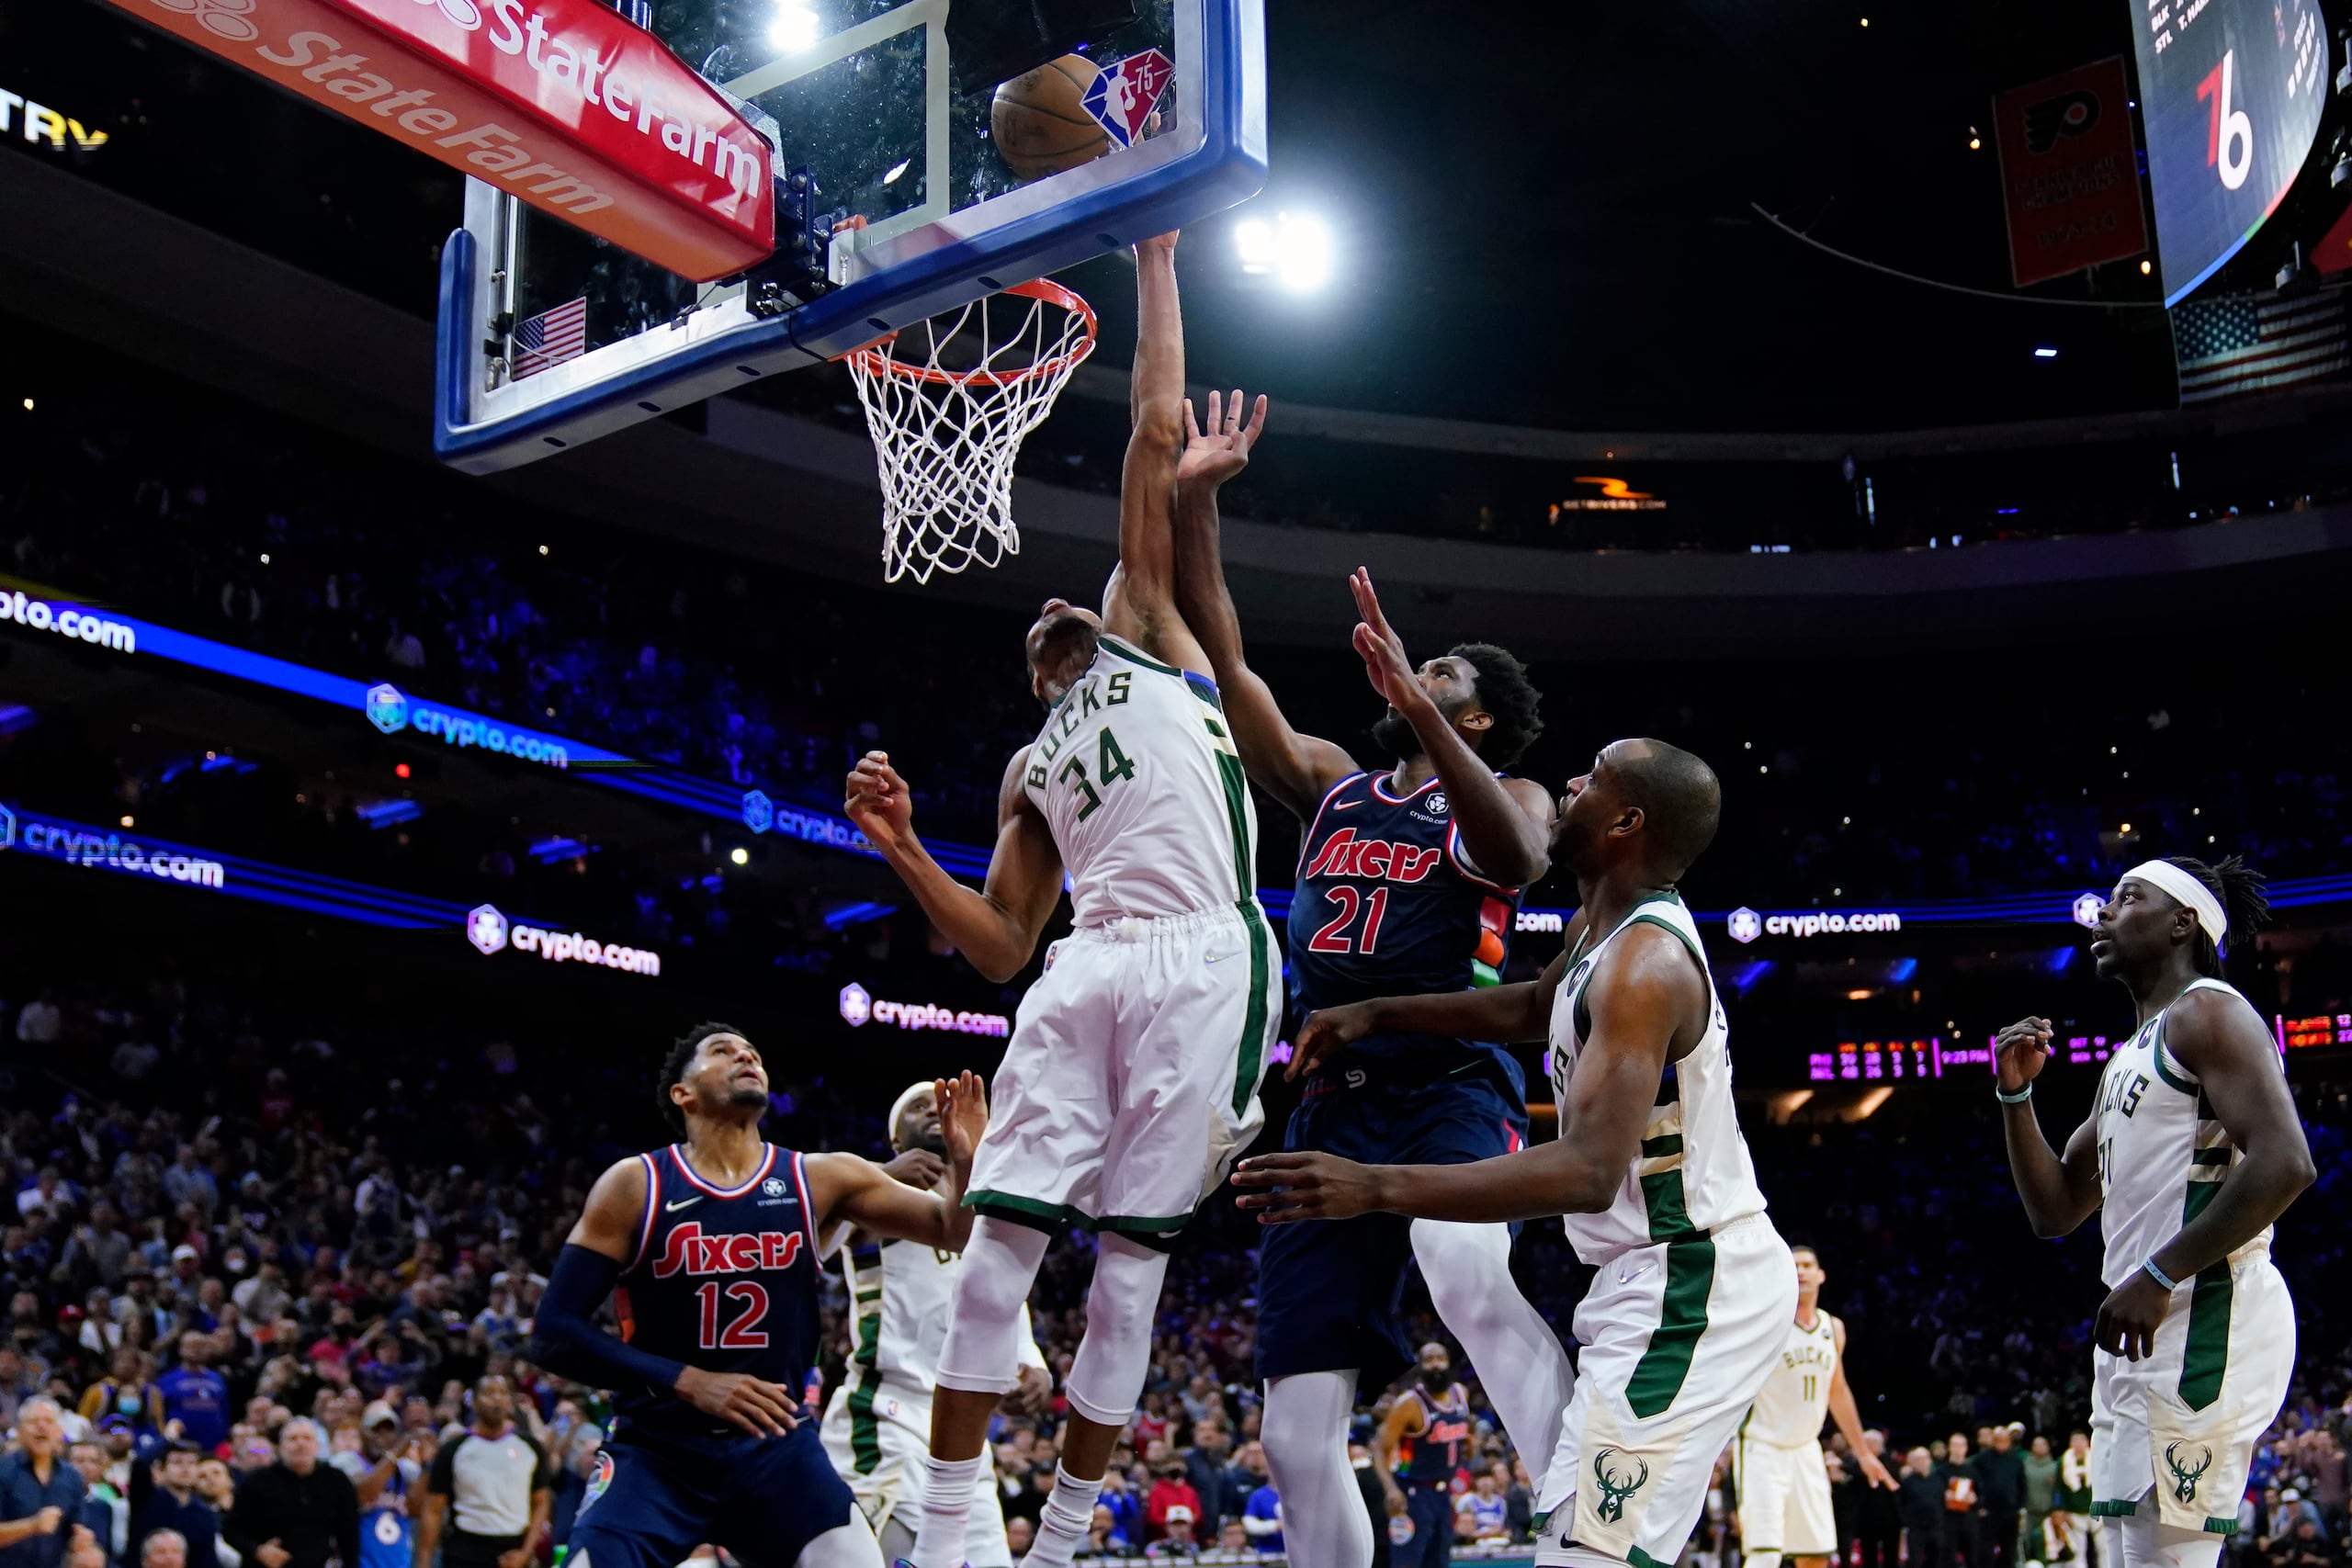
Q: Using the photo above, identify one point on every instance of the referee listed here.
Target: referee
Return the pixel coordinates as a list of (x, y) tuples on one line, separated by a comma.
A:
[(491, 1484)]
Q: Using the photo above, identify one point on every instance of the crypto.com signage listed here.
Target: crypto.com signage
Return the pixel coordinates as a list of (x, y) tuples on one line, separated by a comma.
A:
[(561, 102)]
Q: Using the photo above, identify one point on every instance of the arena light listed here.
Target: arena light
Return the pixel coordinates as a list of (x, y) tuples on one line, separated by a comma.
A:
[(2045, 354), (796, 27), (1294, 249), (741, 857)]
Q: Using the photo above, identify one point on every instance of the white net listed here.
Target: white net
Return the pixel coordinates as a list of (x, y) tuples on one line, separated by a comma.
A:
[(948, 402)]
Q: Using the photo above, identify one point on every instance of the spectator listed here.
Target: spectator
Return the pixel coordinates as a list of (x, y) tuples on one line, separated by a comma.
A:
[(1126, 1506), (1519, 1502), (1247, 1474), (493, 1481), (127, 1393), (1262, 1519), (1018, 1535), (40, 1492), (1479, 1513), (2000, 1491), (1963, 1501), (163, 1497), (198, 1398), (104, 1513), (40, 1021), (2041, 1474), (1168, 1494), (1176, 1537), (1919, 1493), (1233, 1538), (2305, 1547), (1375, 1500), (2075, 1496), (1878, 1516), (165, 1549), (1204, 1468), (294, 1512), (384, 1472), (1104, 1537)]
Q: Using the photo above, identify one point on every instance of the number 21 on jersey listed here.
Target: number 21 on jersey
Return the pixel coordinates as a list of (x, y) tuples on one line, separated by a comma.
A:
[(1336, 937)]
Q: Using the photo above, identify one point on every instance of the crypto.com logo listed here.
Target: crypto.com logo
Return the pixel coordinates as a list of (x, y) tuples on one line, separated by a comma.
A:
[(1746, 925), (758, 811), (386, 708), (8, 828), (857, 1005), (486, 929), (2086, 908)]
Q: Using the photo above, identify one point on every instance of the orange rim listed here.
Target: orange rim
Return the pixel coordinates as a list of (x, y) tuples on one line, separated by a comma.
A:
[(870, 358)]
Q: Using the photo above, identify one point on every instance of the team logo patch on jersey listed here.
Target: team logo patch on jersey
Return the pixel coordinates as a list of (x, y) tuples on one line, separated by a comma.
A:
[(1344, 854), (1436, 803), (1618, 1480), (599, 1478), (773, 1186), (742, 1253), (2185, 1479)]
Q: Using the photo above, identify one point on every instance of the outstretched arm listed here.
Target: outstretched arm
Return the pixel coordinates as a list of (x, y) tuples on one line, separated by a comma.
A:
[(996, 928), (1505, 1014), (2060, 1193), (1296, 769), (1506, 823), (1648, 996), (2218, 1038), (845, 1187), (1848, 1418), (1140, 603)]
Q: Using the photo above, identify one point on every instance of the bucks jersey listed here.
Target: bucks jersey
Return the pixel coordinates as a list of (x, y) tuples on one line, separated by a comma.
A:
[(900, 1294), (1795, 1397), (1693, 1174), (1388, 905), (2161, 1153), (1139, 781)]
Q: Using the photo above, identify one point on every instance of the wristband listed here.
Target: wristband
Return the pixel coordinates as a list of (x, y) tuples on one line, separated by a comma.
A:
[(2153, 1273), (2018, 1098)]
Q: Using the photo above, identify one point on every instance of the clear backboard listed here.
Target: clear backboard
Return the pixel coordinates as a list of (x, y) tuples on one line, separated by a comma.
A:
[(898, 202)]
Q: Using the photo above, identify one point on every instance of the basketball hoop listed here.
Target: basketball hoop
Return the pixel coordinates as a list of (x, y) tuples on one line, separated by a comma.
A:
[(948, 402)]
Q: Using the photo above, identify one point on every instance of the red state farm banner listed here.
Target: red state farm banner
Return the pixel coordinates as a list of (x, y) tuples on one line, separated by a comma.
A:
[(561, 102), (2070, 172)]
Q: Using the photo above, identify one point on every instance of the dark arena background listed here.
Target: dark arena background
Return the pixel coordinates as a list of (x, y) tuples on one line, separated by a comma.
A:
[(1773, 380)]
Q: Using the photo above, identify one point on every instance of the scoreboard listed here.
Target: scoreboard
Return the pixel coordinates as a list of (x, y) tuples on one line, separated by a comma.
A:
[(1933, 1059), (2320, 1031)]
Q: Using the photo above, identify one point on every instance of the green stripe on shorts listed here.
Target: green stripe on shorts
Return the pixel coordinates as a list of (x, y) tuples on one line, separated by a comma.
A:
[(1682, 1318), (864, 1431), (1253, 1022), (2206, 1356)]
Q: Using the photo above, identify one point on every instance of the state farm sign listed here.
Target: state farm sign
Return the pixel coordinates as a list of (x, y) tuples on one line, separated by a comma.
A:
[(561, 102)]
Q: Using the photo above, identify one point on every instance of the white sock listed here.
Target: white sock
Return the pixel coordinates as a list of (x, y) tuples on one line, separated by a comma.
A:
[(946, 1510), (1062, 1525)]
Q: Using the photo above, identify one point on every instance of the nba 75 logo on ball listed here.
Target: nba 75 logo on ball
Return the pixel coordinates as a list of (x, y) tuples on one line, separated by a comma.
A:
[(1121, 97)]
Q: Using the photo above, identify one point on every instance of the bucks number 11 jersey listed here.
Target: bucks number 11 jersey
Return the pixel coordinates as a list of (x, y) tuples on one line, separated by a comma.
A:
[(1138, 777), (1794, 1399)]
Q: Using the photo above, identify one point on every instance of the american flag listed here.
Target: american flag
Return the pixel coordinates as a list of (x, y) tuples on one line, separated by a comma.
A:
[(550, 338), (2249, 342)]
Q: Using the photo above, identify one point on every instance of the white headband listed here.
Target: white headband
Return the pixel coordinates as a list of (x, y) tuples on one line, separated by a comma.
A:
[(899, 1108), (2191, 892)]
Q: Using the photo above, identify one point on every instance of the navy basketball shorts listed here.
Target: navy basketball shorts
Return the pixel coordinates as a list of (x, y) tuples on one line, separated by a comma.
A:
[(656, 1495), (1330, 1292)]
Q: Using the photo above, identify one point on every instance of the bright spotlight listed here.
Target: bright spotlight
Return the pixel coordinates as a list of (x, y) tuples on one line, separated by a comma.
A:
[(796, 27), (1293, 250), (741, 857)]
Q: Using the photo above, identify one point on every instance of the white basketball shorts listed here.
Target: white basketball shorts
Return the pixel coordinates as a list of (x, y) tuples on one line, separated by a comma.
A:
[(1783, 1499), (880, 1450)]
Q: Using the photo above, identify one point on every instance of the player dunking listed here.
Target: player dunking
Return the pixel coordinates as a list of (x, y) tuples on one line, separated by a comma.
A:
[(1409, 880), (2190, 1152), (1131, 1081), (709, 1249), (1692, 1301), (878, 1426), (1778, 1471)]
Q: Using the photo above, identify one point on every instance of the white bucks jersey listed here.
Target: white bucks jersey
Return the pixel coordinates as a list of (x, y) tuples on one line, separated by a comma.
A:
[(1693, 1174), (1794, 1400), (2162, 1153), (1138, 778), (900, 1294)]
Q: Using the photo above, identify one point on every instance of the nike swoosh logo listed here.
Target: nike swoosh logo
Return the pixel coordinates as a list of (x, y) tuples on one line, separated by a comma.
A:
[(1345, 805), (1624, 1277), (1221, 957), (681, 1203)]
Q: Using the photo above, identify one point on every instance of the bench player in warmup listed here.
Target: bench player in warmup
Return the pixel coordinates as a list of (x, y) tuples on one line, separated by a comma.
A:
[(708, 1251), (1409, 880), (1778, 1471), (1694, 1289), (1131, 1081), (878, 1426), (2192, 1152)]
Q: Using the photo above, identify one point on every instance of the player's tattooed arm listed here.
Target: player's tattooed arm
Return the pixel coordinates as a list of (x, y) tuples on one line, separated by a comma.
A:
[(997, 927), (2220, 1039), (2059, 1192), (844, 1187), (1140, 602), (1647, 999), (1506, 824), (1508, 1014), (1296, 769)]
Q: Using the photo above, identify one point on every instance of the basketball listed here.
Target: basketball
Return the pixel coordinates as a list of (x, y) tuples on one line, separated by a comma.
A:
[(1040, 126)]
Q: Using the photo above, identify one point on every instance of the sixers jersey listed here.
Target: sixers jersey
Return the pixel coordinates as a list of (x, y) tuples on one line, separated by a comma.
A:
[(1434, 1453), (725, 1278), (1387, 904)]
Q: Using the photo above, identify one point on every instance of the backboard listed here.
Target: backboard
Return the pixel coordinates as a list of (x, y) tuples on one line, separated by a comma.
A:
[(893, 185)]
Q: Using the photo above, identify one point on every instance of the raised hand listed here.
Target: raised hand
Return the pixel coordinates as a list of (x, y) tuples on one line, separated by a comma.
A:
[(917, 1168), (2021, 1051), (963, 1114), (1381, 650), (879, 802), (1326, 1033), (1216, 453)]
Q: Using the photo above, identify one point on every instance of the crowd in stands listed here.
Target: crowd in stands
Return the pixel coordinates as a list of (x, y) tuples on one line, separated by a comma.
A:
[(281, 1220)]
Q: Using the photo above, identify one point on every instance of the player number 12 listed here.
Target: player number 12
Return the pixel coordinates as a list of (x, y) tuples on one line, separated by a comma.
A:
[(738, 1335)]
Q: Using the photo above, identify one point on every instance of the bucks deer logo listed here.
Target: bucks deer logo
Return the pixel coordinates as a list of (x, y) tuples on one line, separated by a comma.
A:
[(1615, 1488), (2185, 1479)]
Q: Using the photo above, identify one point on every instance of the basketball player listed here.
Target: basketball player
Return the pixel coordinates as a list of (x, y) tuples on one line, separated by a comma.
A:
[(2191, 1152), (878, 1427), (1409, 880), (708, 1251), (1416, 1451), (1692, 1301), (1131, 1081), (1777, 1471)]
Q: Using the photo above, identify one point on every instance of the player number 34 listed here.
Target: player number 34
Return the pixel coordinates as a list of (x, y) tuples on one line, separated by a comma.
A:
[(1110, 765)]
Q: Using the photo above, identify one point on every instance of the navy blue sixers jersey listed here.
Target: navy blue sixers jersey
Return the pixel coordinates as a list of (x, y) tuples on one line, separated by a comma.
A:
[(1388, 905), (725, 1278)]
